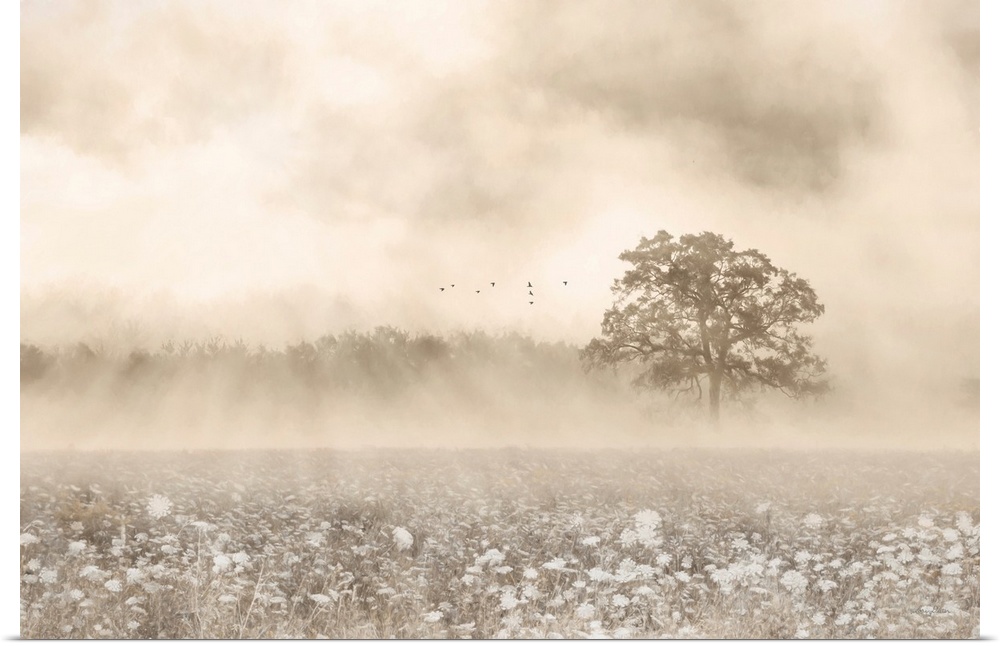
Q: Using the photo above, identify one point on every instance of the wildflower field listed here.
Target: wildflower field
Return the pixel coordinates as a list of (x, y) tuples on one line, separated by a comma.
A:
[(500, 543)]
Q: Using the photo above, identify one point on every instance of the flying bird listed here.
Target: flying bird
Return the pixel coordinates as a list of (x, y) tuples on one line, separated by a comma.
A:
[(531, 293), (531, 302), (477, 291), (564, 282), (453, 285), (493, 284), (441, 288), (529, 283)]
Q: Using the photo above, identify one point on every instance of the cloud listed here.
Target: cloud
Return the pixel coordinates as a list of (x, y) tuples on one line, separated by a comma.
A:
[(779, 103), (118, 80)]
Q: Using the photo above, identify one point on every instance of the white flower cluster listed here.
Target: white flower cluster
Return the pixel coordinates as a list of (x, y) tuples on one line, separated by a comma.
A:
[(794, 581), (646, 532)]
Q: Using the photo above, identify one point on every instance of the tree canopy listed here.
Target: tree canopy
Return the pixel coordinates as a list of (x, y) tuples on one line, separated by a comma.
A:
[(694, 309)]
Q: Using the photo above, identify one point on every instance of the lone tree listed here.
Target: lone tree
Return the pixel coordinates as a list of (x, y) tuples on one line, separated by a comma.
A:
[(694, 309)]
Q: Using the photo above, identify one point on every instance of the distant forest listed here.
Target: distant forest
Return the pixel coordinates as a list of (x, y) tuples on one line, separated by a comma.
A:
[(385, 380), (384, 362)]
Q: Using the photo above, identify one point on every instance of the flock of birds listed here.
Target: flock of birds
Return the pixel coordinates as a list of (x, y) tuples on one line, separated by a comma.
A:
[(530, 289)]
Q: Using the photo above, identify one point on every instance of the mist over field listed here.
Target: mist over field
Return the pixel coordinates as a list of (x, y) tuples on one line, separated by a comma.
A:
[(273, 175)]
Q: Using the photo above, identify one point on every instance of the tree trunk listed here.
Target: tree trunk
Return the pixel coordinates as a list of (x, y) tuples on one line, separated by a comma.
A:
[(714, 394)]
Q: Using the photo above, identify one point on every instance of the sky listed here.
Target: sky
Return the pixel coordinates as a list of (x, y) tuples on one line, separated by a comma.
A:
[(274, 171)]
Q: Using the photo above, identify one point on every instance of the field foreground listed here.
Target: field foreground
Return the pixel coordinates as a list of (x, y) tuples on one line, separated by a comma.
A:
[(500, 543)]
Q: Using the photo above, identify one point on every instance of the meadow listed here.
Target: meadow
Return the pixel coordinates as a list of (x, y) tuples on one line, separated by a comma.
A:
[(499, 543)]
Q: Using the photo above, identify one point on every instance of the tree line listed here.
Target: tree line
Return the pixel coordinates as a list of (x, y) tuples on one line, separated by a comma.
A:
[(383, 361)]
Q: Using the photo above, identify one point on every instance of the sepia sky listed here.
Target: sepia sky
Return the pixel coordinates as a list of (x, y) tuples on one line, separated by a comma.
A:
[(346, 159)]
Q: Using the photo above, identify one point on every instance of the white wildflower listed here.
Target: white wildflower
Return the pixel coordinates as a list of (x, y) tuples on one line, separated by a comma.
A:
[(134, 575), (169, 550), (76, 547), (644, 571), (794, 582), (597, 574), (555, 564), (227, 598), (927, 556), (591, 541), (952, 569), (926, 521), (158, 506), (92, 573), (530, 574), (724, 578), (492, 557), (48, 575), (320, 599), (240, 558), (628, 537), (951, 535), (221, 563), (818, 618), (802, 633), (963, 521), (507, 600), (433, 616), (954, 552), (620, 600), (763, 507), (114, 585), (28, 538), (403, 538), (585, 611), (812, 520)]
